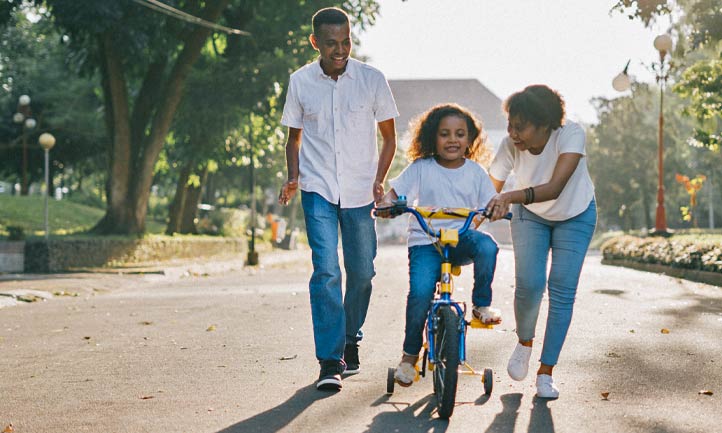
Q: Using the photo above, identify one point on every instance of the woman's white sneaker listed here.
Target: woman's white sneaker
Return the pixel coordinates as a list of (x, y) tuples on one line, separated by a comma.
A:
[(518, 365), (545, 387)]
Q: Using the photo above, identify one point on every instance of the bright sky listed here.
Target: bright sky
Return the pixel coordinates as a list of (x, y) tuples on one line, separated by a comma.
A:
[(575, 47)]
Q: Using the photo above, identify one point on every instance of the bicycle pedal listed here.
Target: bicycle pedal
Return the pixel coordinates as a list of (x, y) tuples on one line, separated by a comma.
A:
[(476, 323)]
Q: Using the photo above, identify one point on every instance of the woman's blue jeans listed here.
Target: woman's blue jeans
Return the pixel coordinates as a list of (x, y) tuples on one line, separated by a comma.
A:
[(568, 240), (425, 269), (338, 321)]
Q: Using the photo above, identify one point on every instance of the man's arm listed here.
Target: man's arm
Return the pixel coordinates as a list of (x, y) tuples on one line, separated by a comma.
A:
[(386, 156), (290, 186)]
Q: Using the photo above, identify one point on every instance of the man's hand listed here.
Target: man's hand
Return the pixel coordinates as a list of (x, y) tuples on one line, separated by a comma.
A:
[(288, 190), (378, 191)]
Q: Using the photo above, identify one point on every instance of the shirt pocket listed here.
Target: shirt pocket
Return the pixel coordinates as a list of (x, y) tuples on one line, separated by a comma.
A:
[(312, 117), (361, 115)]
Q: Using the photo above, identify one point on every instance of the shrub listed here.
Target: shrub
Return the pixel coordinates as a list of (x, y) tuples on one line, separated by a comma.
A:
[(16, 233), (677, 252)]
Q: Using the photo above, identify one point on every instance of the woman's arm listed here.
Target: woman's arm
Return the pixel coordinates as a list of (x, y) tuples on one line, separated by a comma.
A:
[(563, 170)]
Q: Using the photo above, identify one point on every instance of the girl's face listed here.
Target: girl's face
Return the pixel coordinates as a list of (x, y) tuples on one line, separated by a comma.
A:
[(527, 136), (452, 140)]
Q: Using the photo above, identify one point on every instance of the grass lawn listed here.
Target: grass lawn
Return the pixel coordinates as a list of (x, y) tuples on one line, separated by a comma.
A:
[(65, 217)]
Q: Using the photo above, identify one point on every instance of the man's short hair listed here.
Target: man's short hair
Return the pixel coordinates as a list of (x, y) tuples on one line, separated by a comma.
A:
[(328, 16)]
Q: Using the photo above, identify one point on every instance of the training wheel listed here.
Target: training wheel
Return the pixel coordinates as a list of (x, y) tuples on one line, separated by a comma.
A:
[(488, 380), (390, 381)]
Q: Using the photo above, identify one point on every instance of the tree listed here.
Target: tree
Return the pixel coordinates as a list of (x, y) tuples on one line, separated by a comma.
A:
[(35, 62), (233, 98), (622, 153), (144, 59), (698, 27)]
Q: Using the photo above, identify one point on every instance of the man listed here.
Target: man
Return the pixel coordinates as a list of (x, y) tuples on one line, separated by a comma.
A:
[(332, 107)]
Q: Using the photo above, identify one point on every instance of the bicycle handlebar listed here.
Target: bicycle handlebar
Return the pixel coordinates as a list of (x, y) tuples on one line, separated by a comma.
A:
[(399, 207)]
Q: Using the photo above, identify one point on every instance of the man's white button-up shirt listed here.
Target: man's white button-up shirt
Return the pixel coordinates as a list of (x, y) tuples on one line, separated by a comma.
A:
[(339, 155)]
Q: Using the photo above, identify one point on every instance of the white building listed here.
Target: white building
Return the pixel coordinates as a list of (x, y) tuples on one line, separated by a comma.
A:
[(414, 97)]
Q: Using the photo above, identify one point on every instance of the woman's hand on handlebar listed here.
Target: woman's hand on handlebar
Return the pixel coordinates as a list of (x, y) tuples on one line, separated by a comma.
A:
[(498, 207)]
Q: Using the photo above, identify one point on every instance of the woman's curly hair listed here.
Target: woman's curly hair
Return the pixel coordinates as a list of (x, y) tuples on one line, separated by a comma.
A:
[(424, 128)]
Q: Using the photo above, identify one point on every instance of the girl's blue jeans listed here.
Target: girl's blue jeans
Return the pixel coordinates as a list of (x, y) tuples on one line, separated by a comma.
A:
[(568, 240), (425, 269), (338, 321)]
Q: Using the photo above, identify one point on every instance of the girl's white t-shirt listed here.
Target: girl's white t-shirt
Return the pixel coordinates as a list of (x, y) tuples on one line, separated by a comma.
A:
[(426, 183), (534, 170)]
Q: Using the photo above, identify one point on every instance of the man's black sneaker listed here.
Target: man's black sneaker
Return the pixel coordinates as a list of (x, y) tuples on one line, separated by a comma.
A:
[(350, 356), (330, 377)]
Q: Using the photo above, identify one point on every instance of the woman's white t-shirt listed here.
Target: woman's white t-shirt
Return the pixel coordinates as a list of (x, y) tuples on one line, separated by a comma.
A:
[(534, 170), (426, 183)]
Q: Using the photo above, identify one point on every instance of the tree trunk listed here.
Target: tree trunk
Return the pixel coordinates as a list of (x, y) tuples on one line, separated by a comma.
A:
[(647, 206), (179, 200), (132, 163), (190, 209)]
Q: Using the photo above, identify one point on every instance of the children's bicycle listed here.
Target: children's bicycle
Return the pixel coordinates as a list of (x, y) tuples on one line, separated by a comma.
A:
[(445, 345)]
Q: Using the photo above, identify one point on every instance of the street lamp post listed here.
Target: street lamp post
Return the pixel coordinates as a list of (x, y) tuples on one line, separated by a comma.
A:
[(47, 141), (252, 257), (621, 83), (663, 44), (23, 117)]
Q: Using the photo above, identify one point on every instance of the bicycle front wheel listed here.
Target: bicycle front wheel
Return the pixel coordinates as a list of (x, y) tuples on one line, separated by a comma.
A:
[(446, 359)]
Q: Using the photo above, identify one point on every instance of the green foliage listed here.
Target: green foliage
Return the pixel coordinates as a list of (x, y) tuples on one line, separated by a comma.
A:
[(701, 84), (34, 61), (622, 151)]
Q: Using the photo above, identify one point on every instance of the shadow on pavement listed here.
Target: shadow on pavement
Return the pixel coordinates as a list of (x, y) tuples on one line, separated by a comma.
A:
[(505, 420), (404, 419), (541, 417), (277, 418)]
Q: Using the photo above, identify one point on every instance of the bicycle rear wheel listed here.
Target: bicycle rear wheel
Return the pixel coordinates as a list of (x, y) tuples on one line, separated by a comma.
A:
[(446, 359)]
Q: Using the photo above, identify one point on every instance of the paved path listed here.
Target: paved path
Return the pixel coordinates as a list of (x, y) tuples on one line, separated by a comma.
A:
[(222, 348)]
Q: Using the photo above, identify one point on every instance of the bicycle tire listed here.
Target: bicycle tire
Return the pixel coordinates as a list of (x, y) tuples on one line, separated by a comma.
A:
[(446, 368)]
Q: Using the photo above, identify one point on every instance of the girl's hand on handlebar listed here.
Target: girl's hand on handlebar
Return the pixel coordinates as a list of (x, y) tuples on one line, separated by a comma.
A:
[(498, 207)]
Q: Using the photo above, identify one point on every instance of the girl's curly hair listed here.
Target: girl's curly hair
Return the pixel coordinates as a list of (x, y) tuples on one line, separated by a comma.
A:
[(423, 130)]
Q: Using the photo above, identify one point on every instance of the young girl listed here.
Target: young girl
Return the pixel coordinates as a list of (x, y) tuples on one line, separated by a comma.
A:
[(447, 141)]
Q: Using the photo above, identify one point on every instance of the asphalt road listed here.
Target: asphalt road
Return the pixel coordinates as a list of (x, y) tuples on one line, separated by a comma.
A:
[(216, 347)]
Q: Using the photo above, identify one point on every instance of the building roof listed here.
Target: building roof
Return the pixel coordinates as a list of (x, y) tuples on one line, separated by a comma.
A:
[(413, 97)]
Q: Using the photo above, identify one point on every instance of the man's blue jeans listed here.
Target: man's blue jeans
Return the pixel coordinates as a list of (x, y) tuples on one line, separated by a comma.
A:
[(425, 269), (336, 321), (533, 237)]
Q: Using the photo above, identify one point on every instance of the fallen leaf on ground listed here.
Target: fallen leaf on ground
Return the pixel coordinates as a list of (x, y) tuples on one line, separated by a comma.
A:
[(287, 358), (145, 322), (705, 392), (665, 331), (146, 397), (605, 395), (211, 328), (64, 293)]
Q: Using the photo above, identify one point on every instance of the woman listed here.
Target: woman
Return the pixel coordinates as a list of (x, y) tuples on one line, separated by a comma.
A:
[(554, 209)]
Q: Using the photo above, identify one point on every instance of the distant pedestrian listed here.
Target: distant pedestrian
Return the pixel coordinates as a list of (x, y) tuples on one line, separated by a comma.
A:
[(332, 108), (554, 210)]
